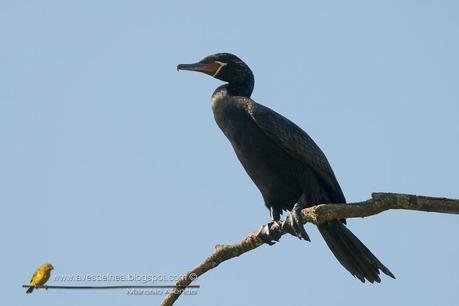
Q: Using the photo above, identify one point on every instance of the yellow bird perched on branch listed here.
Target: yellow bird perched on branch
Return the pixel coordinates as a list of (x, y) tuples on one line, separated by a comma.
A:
[(41, 276)]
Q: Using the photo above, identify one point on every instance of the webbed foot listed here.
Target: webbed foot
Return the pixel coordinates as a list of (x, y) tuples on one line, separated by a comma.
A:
[(270, 233), (293, 225)]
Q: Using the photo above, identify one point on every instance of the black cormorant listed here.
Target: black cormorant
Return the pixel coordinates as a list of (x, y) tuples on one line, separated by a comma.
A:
[(285, 164)]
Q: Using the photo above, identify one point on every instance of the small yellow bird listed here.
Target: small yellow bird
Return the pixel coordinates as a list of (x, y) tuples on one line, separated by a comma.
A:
[(41, 276)]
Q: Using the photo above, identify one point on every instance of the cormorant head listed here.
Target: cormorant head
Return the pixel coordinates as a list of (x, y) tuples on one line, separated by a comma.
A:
[(228, 68)]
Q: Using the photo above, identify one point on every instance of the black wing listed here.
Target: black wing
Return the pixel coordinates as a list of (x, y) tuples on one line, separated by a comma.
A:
[(295, 142)]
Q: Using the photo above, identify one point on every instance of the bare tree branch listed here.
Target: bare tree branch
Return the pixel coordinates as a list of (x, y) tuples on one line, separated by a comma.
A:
[(319, 214)]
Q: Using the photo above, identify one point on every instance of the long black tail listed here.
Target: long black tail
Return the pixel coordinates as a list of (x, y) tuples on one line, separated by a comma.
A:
[(352, 253)]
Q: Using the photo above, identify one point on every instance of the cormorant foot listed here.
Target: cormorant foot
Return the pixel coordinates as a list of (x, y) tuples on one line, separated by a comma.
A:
[(293, 225), (271, 232)]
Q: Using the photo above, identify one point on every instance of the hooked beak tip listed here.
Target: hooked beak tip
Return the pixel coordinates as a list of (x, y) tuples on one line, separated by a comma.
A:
[(190, 67)]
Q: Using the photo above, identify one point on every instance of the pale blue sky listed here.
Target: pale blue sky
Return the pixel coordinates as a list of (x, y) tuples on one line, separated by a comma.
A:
[(111, 161)]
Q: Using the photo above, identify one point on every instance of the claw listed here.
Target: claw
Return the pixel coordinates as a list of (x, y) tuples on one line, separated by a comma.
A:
[(271, 232), (293, 225)]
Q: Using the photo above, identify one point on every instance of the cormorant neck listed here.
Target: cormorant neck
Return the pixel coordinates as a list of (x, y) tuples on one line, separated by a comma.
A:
[(242, 86)]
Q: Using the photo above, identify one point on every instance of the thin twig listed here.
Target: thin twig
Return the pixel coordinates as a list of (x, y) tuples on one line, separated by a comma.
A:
[(319, 214)]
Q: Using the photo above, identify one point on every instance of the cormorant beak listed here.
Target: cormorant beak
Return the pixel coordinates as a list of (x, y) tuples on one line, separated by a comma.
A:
[(208, 68)]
